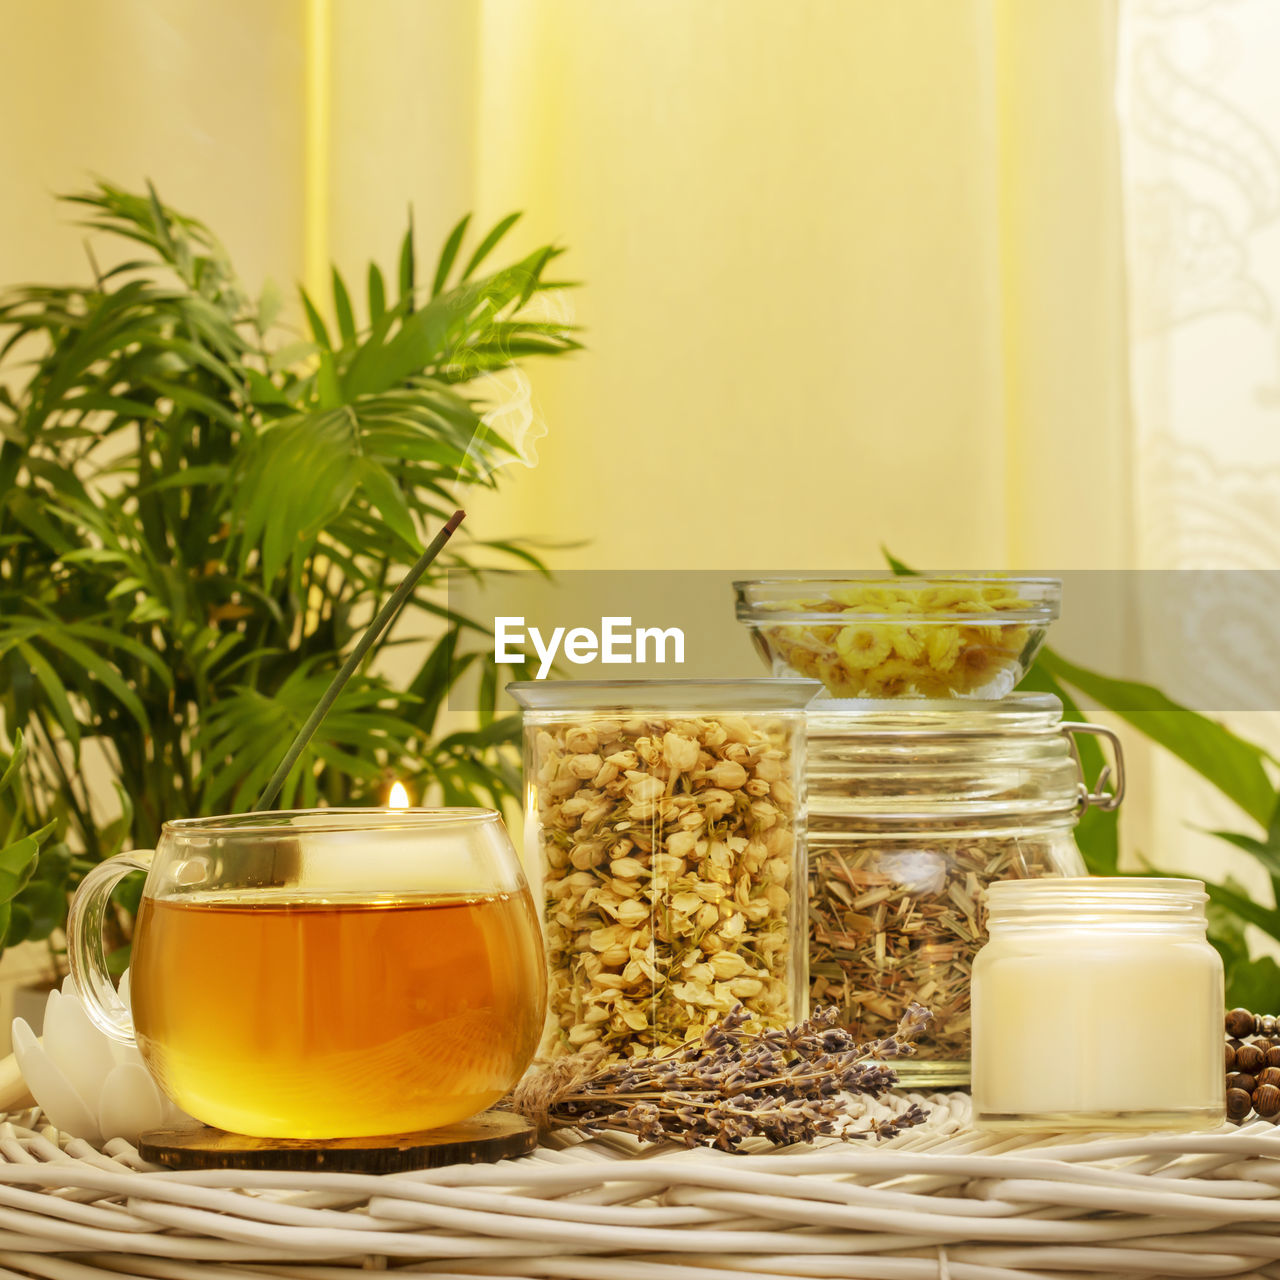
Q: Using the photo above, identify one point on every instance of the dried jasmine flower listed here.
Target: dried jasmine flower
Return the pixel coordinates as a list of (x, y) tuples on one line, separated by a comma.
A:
[(670, 861), (786, 1084)]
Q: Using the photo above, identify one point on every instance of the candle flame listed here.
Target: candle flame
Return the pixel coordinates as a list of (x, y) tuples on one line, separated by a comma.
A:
[(399, 797)]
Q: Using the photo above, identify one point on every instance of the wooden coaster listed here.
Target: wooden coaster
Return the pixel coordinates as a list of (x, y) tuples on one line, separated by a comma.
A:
[(490, 1136)]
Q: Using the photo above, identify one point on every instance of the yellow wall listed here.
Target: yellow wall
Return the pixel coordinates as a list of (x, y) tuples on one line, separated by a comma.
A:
[(204, 99), (853, 277), (403, 77), (1069, 485), (852, 268)]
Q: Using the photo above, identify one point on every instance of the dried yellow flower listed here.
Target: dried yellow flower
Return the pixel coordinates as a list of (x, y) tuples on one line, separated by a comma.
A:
[(864, 646), (887, 646)]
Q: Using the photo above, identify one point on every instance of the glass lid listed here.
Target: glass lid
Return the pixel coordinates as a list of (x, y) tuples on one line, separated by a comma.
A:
[(1016, 713), (694, 696)]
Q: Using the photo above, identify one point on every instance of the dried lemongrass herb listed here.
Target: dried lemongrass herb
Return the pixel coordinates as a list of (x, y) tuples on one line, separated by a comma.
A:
[(896, 922), (859, 654), (788, 1084), (669, 862)]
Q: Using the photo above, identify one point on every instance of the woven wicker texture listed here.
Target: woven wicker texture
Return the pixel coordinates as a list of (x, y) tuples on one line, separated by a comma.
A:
[(939, 1203)]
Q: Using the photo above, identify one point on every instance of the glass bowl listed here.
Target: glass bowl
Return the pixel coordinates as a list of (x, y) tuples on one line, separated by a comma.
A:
[(901, 637)]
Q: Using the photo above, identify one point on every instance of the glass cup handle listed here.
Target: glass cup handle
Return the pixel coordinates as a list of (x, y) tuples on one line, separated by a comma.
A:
[(85, 949)]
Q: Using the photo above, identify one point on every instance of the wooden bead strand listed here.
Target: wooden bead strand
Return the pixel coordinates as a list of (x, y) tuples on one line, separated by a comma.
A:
[(1252, 1060)]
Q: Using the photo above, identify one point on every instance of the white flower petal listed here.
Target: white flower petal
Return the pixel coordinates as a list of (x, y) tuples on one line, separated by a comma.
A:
[(130, 1103), (81, 1052), (50, 1088), (124, 1053), (87, 1083)]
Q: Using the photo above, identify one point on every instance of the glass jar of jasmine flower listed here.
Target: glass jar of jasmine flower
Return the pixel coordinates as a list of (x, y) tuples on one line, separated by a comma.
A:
[(665, 841)]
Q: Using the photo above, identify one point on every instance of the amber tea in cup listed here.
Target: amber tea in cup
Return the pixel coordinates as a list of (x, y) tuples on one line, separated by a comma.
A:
[(334, 973)]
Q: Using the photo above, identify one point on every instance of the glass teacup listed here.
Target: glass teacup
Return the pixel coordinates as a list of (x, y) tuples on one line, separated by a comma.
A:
[(326, 973)]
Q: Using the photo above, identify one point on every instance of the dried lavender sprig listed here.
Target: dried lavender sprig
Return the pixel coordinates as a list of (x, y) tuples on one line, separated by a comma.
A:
[(787, 1085)]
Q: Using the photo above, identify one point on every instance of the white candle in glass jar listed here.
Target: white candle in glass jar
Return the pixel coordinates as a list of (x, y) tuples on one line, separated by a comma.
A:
[(1098, 1003)]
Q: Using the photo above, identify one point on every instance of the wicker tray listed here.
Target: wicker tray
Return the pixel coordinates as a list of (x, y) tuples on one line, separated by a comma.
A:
[(939, 1203)]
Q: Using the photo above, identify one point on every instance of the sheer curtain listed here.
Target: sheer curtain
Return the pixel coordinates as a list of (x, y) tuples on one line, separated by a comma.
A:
[(1200, 112), (1199, 108)]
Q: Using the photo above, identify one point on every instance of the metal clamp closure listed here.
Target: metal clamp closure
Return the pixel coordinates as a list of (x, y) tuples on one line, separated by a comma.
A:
[(1099, 797)]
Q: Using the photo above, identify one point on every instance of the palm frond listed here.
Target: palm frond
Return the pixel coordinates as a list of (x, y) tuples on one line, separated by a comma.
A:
[(243, 736), (198, 511)]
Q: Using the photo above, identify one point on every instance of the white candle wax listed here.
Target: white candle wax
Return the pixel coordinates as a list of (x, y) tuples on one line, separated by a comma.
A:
[(1103, 1013)]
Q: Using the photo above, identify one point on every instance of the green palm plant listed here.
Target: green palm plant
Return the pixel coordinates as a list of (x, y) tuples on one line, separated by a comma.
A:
[(31, 866), (198, 510)]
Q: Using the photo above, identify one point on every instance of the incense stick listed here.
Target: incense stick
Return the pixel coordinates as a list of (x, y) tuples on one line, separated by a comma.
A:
[(380, 623)]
